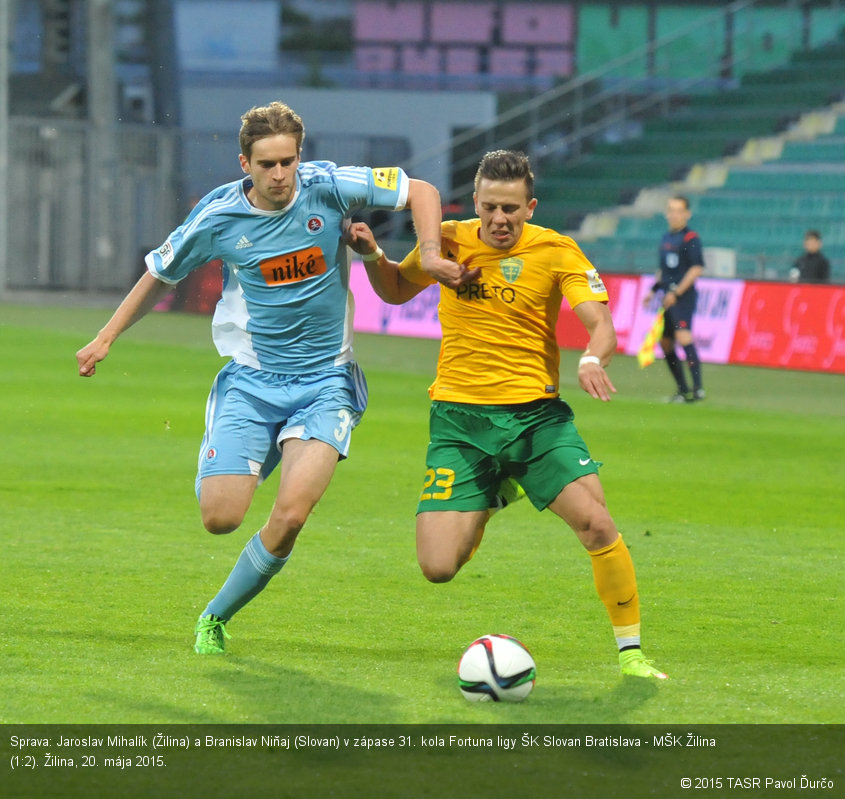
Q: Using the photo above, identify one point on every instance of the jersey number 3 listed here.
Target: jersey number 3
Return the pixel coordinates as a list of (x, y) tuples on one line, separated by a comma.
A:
[(342, 430)]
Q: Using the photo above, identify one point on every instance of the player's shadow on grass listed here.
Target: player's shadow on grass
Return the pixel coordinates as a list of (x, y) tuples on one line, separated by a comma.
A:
[(299, 696), (267, 693), (242, 690), (566, 705), (613, 707)]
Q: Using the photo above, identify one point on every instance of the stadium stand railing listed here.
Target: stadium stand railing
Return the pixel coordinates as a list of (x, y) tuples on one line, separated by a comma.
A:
[(760, 211), (647, 118), (597, 141), (765, 197), (609, 147)]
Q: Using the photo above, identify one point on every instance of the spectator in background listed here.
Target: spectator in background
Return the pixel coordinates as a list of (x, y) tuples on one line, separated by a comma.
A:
[(681, 264), (812, 266)]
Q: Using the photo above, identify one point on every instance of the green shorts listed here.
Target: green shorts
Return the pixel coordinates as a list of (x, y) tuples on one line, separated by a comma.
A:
[(474, 447)]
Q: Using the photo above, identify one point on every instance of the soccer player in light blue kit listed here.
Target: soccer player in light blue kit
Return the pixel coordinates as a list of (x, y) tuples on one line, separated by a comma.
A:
[(291, 391)]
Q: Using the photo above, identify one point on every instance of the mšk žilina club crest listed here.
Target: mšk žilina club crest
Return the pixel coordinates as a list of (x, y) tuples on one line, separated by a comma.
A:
[(511, 268)]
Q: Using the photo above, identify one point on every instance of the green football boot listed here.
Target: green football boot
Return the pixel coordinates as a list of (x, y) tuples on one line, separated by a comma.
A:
[(211, 632), (632, 663)]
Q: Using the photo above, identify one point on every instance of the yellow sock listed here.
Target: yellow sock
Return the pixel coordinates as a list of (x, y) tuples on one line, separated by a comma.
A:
[(616, 583)]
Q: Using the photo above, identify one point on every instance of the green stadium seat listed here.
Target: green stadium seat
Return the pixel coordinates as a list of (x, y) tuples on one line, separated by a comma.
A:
[(760, 212), (830, 150)]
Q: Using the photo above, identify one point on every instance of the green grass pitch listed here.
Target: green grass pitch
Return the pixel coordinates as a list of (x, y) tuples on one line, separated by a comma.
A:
[(733, 510)]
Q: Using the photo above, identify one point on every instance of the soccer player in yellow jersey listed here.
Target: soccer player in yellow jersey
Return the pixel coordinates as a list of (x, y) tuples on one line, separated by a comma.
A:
[(496, 413)]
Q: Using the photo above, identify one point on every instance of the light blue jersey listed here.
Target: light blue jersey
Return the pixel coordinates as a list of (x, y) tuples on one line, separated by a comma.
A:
[(286, 306)]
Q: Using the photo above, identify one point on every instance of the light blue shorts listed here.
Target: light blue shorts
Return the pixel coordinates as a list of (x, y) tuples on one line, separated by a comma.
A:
[(250, 413)]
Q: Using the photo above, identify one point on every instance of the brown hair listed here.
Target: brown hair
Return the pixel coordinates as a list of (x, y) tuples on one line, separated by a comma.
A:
[(269, 120), (506, 165)]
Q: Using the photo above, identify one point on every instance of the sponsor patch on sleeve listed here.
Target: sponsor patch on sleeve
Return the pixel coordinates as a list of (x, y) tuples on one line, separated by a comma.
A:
[(595, 281), (386, 177), (165, 252)]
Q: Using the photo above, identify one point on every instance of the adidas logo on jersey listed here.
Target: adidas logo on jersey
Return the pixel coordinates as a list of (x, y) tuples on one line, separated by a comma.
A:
[(243, 242)]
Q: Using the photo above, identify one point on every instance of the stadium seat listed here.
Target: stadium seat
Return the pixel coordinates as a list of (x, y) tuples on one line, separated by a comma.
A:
[(389, 22), (462, 22), (804, 185), (537, 23)]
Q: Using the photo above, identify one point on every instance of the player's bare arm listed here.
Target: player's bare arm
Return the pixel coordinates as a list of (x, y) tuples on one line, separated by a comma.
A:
[(424, 202), (386, 279), (143, 297), (592, 377)]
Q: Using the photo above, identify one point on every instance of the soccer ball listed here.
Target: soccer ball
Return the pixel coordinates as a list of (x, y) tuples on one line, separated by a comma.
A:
[(496, 668)]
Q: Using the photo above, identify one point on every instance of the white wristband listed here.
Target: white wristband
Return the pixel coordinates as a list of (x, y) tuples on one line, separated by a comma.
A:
[(373, 256), (589, 359)]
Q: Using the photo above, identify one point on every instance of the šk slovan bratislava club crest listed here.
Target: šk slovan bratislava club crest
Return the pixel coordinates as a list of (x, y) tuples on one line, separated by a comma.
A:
[(511, 268)]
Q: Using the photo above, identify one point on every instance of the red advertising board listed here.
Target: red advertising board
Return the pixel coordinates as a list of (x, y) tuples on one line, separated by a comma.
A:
[(624, 297), (780, 325), (791, 327)]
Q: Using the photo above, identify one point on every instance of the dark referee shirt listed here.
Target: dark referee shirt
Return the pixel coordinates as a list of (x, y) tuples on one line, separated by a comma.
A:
[(680, 250)]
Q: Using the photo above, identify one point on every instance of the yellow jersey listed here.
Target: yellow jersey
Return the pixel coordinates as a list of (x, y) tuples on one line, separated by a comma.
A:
[(499, 343)]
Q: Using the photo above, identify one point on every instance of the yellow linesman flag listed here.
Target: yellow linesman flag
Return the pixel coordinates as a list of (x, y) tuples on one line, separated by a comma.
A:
[(645, 356)]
